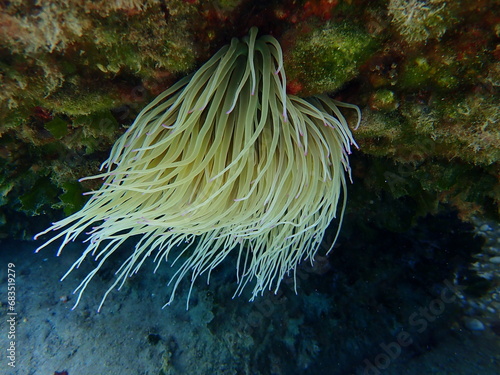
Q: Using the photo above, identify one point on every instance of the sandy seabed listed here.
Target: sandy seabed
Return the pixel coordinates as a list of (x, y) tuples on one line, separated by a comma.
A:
[(133, 335)]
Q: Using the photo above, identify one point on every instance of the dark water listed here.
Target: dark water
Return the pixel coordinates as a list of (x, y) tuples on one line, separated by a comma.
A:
[(382, 302)]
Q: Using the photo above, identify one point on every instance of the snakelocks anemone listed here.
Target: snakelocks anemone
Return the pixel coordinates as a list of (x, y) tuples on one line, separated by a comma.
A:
[(222, 161)]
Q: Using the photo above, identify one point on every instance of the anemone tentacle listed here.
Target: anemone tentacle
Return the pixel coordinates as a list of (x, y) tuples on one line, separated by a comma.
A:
[(225, 157)]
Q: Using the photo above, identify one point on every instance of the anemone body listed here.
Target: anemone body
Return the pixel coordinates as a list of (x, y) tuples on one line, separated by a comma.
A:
[(226, 161)]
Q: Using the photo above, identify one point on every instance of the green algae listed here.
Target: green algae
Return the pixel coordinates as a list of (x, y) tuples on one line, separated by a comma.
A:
[(40, 197), (326, 58), (72, 199), (57, 127), (384, 100)]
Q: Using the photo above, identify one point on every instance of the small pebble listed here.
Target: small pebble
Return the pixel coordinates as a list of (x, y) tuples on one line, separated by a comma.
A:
[(495, 260), (484, 228), (474, 324), (493, 250)]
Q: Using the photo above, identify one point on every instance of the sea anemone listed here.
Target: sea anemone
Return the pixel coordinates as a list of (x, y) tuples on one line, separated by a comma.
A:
[(224, 160)]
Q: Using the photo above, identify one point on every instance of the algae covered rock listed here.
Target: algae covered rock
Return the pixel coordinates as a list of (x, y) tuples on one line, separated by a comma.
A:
[(425, 74)]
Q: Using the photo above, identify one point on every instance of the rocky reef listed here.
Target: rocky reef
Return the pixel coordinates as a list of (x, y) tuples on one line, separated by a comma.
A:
[(425, 73)]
